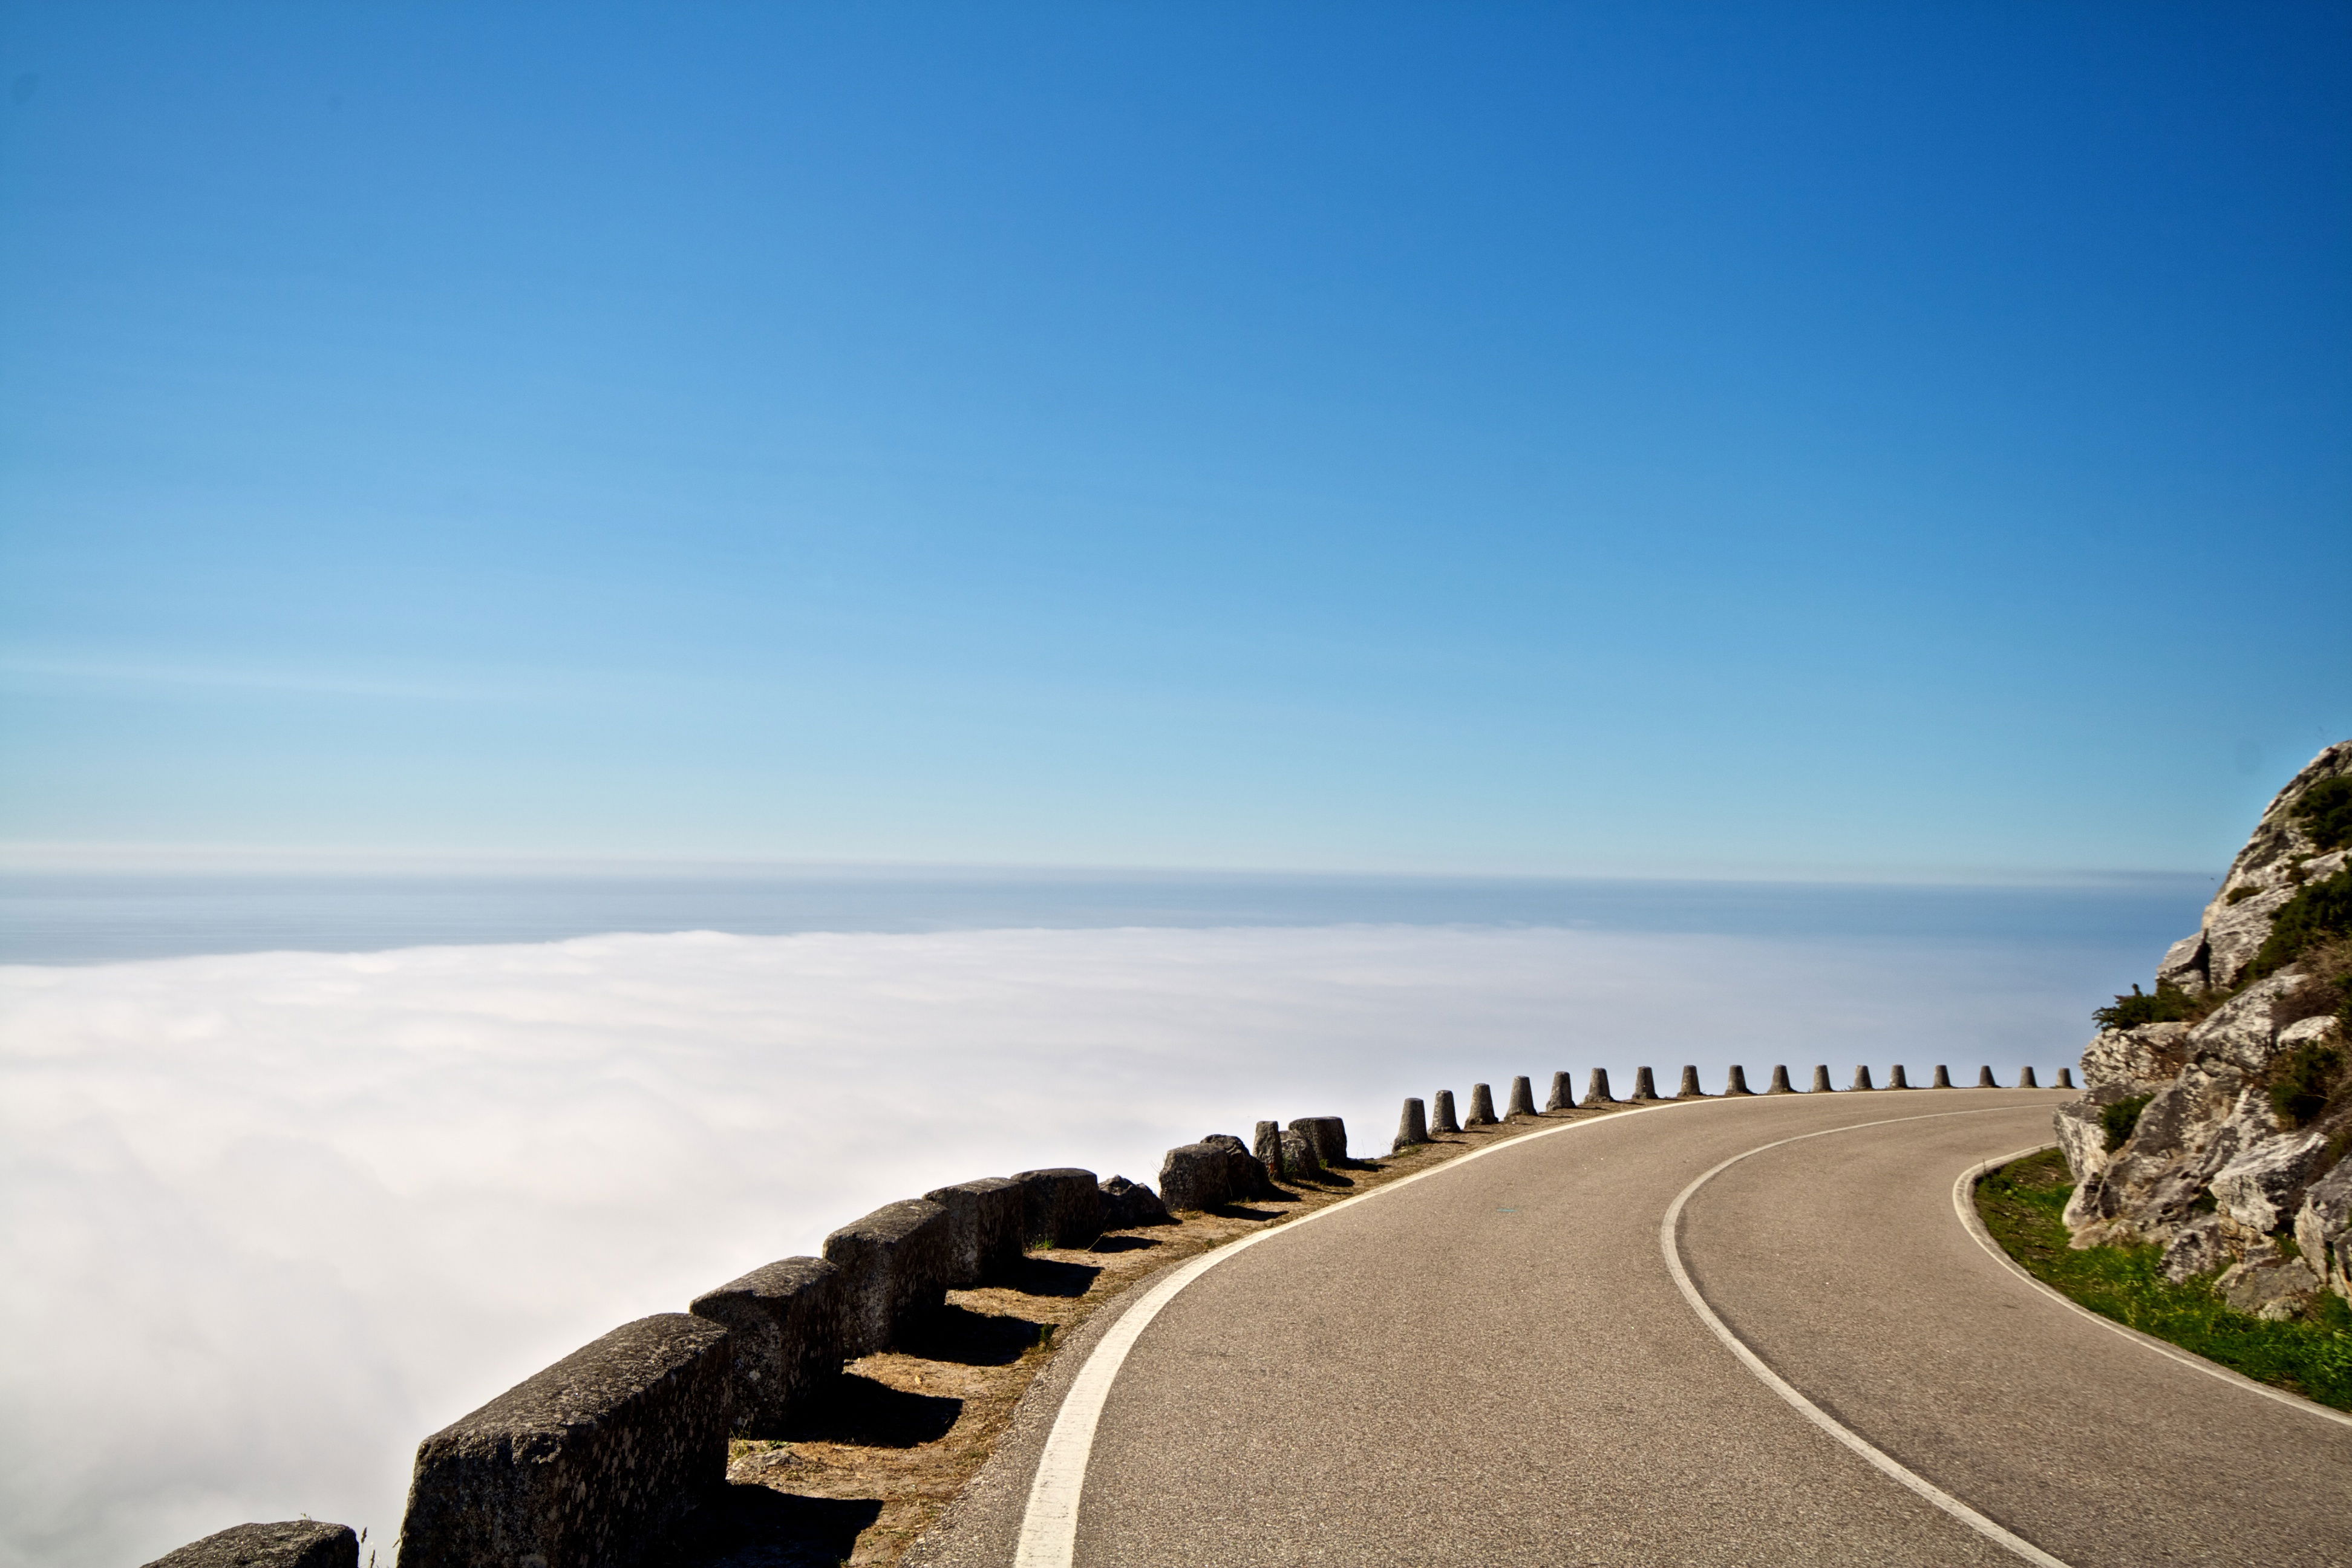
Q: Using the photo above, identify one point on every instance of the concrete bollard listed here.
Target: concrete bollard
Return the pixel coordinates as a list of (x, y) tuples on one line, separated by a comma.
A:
[(595, 1461), (1130, 1205), (1329, 1136), (289, 1543), (1060, 1207), (1690, 1089), (1441, 1113), (1299, 1160), (786, 1320), (1246, 1176), (1644, 1087), (1736, 1081), (1943, 1079), (2025, 1078), (1482, 1107), (1197, 1176), (1523, 1099), (1413, 1126), (1984, 1078), (1563, 1096), (1861, 1078), (2065, 1078), (894, 1264), (984, 1228), (1895, 1078), (1596, 1088), (1781, 1082), (1820, 1080)]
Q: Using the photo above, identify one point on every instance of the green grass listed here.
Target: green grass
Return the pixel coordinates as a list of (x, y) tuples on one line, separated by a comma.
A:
[(2021, 1204)]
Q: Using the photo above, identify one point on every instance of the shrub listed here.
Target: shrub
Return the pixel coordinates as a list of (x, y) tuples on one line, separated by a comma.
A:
[(2306, 1080), (2326, 812), (2171, 1004), (2120, 1118), (2321, 913)]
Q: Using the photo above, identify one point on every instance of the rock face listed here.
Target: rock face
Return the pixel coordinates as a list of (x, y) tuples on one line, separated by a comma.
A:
[(2217, 1112)]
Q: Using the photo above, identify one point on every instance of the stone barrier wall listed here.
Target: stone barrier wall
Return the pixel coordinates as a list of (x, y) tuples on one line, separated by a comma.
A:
[(594, 1462)]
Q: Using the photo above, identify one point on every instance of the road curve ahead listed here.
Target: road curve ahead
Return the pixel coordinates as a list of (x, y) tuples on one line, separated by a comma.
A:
[(1495, 1364)]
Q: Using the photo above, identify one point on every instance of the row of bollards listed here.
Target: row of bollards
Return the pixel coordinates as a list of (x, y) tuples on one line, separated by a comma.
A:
[(1420, 1124)]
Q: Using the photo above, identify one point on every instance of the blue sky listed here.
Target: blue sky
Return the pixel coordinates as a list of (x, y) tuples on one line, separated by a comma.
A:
[(1764, 439)]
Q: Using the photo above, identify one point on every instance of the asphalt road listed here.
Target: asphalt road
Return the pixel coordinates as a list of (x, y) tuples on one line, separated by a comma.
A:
[(1495, 1365)]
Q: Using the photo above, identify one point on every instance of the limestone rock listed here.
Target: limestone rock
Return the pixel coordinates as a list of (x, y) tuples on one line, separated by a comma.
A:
[(2240, 1031), (2236, 933), (2134, 1061), (2183, 966), (2198, 1247), (289, 1543), (2322, 1227), (2272, 1288), (2261, 1186)]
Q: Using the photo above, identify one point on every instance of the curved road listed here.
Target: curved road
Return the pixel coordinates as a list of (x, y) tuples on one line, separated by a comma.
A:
[(1494, 1364)]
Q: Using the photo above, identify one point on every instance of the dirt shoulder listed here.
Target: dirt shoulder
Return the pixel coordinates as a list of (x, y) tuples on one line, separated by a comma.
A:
[(875, 1463)]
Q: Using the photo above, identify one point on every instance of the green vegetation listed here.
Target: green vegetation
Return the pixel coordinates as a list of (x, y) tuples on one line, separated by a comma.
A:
[(2171, 1004), (2120, 1118), (2319, 914), (2325, 813), (2305, 1080), (2021, 1204)]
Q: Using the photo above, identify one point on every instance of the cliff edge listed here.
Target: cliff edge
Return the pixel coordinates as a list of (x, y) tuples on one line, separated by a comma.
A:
[(2218, 1110)]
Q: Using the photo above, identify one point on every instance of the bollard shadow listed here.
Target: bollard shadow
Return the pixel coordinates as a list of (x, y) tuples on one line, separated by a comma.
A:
[(1035, 1276), (1242, 1211), (1124, 1244), (972, 1339), (856, 1409), (747, 1525)]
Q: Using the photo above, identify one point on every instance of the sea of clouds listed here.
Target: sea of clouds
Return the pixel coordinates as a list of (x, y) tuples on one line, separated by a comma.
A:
[(267, 1219)]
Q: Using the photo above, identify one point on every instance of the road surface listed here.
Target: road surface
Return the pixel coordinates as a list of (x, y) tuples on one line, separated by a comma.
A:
[(1496, 1365)]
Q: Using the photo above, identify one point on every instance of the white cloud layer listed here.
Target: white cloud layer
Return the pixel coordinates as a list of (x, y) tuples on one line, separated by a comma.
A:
[(267, 1220)]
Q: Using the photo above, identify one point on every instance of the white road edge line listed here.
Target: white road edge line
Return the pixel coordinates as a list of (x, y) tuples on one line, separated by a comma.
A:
[(1964, 1190), (1669, 1243), (1049, 1524)]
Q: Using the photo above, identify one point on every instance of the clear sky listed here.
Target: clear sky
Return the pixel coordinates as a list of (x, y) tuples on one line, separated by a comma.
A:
[(1843, 439)]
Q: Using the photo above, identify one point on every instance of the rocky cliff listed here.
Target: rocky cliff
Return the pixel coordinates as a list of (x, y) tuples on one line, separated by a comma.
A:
[(2218, 1110)]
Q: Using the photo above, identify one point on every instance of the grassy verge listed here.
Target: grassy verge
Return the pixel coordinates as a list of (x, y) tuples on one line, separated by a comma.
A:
[(2021, 1204)]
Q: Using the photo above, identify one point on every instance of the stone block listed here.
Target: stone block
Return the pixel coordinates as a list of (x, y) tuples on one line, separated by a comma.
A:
[(1523, 1099), (1060, 1207), (1897, 1077), (1329, 1136), (1943, 1078), (2065, 1078), (1440, 1112), (1413, 1126), (1130, 1205), (1596, 1088), (786, 1323), (592, 1463), (1299, 1160), (1984, 1078), (1736, 1083), (1245, 1172), (1482, 1107), (1645, 1087), (1689, 1089), (1196, 1177), (1267, 1147), (2025, 1078), (1563, 1093), (1780, 1084), (1820, 1080), (1862, 1079), (289, 1543), (895, 1264), (984, 1228)]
